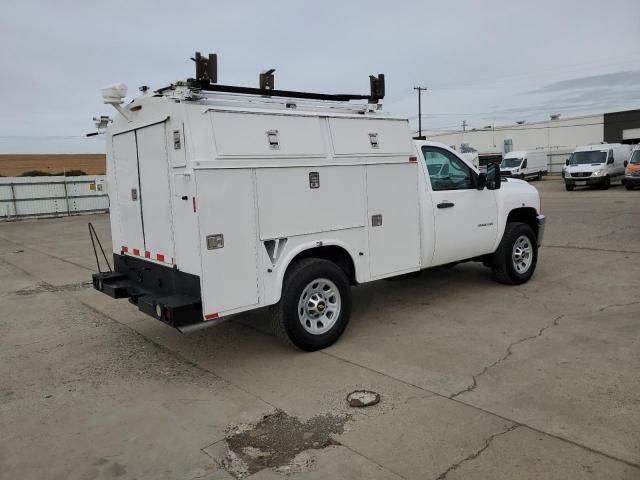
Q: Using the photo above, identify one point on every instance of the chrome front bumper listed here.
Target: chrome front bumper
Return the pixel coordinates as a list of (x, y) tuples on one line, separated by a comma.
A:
[(542, 220)]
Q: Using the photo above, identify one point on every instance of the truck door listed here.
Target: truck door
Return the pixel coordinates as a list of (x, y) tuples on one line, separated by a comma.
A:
[(155, 195), (143, 192), (465, 219), (128, 191)]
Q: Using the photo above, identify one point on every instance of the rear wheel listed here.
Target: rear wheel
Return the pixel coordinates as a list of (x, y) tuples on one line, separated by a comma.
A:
[(315, 306), (517, 255)]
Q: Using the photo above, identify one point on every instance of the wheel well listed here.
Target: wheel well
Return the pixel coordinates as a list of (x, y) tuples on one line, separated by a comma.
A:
[(526, 215), (335, 254)]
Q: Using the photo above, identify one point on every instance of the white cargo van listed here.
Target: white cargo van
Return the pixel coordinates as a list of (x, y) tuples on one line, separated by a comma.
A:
[(226, 199), (596, 165), (527, 165)]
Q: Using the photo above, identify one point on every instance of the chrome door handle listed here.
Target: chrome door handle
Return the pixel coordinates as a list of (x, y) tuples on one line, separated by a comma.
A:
[(446, 204)]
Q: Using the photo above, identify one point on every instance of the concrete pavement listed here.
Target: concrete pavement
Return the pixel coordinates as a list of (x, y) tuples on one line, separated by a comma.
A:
[(478, 380)]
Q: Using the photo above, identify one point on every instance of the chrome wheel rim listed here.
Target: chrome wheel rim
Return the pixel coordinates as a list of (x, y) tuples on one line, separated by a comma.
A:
[(522, 254), (319, 306)]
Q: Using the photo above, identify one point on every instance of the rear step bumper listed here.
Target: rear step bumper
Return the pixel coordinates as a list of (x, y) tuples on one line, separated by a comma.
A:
[(164, 293)]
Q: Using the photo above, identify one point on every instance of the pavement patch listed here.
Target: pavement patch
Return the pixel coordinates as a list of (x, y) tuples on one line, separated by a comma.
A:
[(279, 441), (46, 287)]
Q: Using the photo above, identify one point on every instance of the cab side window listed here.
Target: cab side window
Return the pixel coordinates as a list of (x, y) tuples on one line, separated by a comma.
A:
[(446, 171)]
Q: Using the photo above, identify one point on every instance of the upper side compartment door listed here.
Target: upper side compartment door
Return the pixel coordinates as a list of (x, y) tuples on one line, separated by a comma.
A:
[(255, 135), (155, 193), (356, 137), (128, 192), (465, 219)]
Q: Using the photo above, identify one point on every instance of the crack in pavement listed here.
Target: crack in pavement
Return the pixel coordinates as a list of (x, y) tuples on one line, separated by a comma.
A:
[(475, 377), (594, 249), (477, 453), (525, 295), (602, 309)]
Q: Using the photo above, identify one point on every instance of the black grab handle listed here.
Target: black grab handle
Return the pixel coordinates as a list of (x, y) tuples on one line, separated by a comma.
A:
[(446, 205)]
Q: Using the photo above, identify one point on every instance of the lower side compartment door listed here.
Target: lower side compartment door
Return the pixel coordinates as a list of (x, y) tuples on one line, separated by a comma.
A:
[(394, 219), (227, 225)]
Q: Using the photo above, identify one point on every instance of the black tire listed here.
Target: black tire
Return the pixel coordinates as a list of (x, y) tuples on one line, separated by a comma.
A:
[(569, 188), (286, 322), (628, 186), (539, 177), (502, 261), (606, 183)]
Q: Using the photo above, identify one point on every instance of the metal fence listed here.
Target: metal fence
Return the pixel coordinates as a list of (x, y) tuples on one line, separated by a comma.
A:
[(22, 197)]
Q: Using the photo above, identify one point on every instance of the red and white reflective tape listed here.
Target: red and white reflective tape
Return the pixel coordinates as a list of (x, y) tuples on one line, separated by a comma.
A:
[(147, 254), (211, 316)]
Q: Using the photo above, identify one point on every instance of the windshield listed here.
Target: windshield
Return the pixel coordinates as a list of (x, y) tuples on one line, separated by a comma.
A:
[(511, 162), (586, 158), (635, 158)]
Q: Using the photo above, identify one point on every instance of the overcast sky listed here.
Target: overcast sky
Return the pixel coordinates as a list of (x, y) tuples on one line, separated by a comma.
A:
[(489, 62)]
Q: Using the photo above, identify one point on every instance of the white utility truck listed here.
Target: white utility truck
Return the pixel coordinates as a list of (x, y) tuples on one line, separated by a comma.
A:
[(527, 165), (596, 165), (226, 199)]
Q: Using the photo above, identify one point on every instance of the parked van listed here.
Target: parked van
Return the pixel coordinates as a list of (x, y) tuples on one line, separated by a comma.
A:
[(632, 172), (596, 165), (527, 165)]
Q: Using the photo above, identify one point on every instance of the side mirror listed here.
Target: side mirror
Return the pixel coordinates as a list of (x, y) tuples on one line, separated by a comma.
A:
[(566, 162), (493, 176), (481, 183), (610, 161), (524, 164), (625, 164)]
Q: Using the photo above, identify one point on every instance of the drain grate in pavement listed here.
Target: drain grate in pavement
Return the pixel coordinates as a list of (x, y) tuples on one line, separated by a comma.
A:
[(363, 398), (276, 440)]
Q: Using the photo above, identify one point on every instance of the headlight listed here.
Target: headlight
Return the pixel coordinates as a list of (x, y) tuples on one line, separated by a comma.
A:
[(596, 173)]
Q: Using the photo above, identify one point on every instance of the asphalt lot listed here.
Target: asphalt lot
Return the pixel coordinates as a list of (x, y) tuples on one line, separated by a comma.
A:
[(477, 380)]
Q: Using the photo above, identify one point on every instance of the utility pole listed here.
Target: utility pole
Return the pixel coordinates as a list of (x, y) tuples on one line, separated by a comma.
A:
[(420, 89)]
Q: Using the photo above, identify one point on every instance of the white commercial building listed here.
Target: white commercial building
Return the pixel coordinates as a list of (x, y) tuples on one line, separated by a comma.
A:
[(559, 134)]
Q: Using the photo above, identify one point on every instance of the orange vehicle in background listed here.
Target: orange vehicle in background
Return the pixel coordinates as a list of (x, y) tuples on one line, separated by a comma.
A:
[(632, 172)]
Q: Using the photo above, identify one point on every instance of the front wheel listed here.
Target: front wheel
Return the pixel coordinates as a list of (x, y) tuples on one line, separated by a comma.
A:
[(515, 259), (628, 186), (315, 305), (569, 187), (606, 183)]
